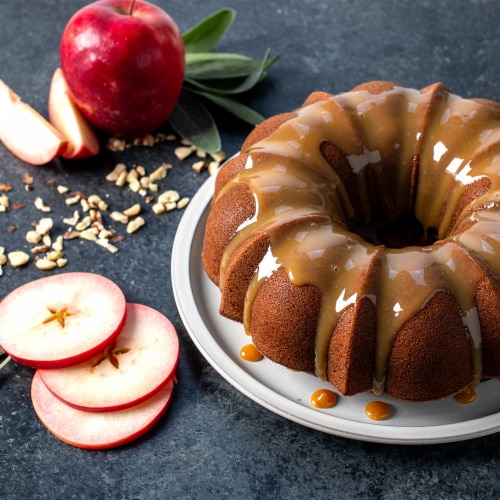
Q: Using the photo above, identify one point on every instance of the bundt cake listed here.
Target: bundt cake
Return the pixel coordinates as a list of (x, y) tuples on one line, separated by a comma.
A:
[(358, 238)]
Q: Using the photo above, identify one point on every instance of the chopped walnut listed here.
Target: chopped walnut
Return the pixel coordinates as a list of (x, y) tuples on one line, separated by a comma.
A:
[(182, 152), (133, 210), (58, 243), (132, 175), (55, 255), (73, 220), (71, 235), (121, 179), (85, 205), (148, 140), (135, 224), (199, 166), (33, 237), (89, 234), (104, 242), (18, 258), (182, 203), (40, 249), (161, 172), (116, 172), (119, 217), (134, 185), (168, 196), (44, 226), (116, 144), (27, 178), (72, 200), (158, 208), (40, 205), (4, 202), (219, 157), (45, 264), (213, 167), (84, 223), (61, 262)]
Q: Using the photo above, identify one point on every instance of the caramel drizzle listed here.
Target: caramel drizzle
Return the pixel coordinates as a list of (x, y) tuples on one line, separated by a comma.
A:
[(440, 141)]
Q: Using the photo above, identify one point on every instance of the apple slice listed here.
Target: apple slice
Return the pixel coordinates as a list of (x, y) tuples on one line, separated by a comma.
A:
[(25, 132), (97, 430), (66, 117), (61, 320), (142, 359)]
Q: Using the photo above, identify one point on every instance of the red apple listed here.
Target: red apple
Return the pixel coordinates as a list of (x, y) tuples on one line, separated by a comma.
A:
[(140, 361), (61, 320), (66, 117), (94, 430), (25, 132), (124, 65)]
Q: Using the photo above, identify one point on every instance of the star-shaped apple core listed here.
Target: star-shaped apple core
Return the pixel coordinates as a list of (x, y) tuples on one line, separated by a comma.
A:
[(111, 354), (58, 314)]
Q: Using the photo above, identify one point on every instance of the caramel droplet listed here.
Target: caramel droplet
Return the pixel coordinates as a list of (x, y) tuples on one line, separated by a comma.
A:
[(323, 398), (467, 396), (377, 410), (250, 353)]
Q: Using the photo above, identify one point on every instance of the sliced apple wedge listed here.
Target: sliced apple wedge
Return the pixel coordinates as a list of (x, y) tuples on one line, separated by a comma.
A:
[(142, 359), (66, 117), (25, 132), (61, 320), (97, 430)]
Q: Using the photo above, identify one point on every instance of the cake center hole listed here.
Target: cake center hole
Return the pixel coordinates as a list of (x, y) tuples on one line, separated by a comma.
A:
[(403, 232)]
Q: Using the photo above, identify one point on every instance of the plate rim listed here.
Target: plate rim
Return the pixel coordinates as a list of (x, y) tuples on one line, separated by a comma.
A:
[(258, 392)]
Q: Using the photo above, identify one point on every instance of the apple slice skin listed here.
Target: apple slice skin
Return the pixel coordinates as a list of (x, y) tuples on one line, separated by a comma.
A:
[(82, 141), (25, 132), (97, 308), (145, 356), (97, 430)]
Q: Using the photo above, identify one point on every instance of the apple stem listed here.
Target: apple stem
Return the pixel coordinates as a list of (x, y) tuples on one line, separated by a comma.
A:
[(131, 8)]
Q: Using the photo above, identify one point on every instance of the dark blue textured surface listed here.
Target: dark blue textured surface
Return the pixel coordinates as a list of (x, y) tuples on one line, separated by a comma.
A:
[(215, 443)]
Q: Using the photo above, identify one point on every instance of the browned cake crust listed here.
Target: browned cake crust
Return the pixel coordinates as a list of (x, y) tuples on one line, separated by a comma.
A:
[(351, 350), (431, 355), (487, 295), (292, 314), (419, 323)]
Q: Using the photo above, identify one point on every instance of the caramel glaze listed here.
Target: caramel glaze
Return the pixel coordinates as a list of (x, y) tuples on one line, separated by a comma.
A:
[(250, 353), (427, 152), (323, 398), (467, 396), (377, 410)]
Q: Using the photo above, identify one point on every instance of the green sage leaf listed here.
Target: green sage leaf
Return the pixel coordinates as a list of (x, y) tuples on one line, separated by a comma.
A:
[(205, 35), (192, 121), (213, 66), (234, 107), (214, 77), (239, 85), (257, 75)]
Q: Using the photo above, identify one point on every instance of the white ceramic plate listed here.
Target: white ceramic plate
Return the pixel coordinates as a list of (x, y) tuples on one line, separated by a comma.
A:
[(287, 393)]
